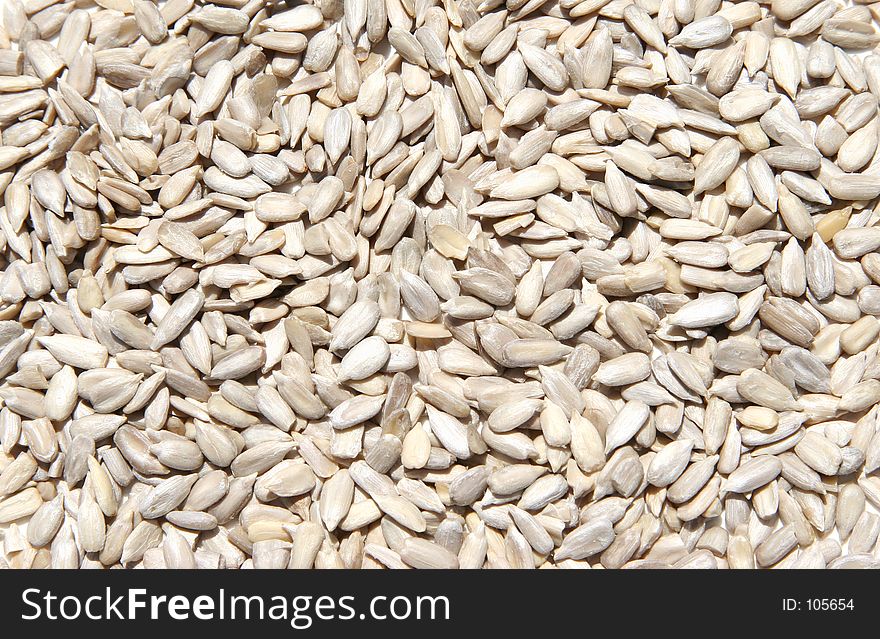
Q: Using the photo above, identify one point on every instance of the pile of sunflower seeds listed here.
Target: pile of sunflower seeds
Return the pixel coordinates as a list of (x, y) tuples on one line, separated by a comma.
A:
[(439, 284)]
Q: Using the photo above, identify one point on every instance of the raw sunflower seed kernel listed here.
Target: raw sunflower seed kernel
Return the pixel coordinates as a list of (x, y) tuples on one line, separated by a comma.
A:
[(439, 285)]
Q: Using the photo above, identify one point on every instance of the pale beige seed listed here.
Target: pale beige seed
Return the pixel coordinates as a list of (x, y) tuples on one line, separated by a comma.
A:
[(668, 465), (166, 496), (753, 474), (707, 310), (853, 243), (776, 546), (764, 390), (717, 165), (180, 240), (626, 424), (704, 33), (524, 107), (442, 155), (623, 370), (531, 352), (75, 351), (416, 448), (20, 505), (178, 317), (401, 511), (528, 183), (586, 540), (17, 473)]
